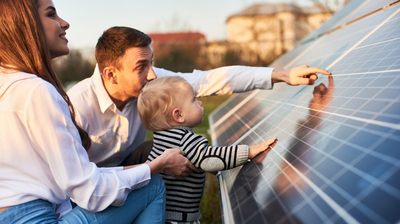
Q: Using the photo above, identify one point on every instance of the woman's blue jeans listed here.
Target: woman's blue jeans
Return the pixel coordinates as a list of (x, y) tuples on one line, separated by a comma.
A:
[(144, 205)]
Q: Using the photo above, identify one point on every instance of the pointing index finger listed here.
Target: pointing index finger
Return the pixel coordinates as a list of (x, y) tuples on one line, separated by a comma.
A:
[(319, 70)]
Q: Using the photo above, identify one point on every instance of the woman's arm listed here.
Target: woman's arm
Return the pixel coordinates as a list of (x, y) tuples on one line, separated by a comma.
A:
[(171, 162), (55, 138)]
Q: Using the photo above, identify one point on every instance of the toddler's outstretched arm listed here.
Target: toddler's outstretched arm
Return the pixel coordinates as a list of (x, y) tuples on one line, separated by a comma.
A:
[(256, 149)]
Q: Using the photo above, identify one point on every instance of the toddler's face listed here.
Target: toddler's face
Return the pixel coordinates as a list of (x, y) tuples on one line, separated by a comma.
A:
[(191, 108)]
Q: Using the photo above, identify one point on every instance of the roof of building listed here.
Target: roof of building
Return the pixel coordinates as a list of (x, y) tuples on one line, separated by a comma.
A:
[(177, 37), (272, 9)]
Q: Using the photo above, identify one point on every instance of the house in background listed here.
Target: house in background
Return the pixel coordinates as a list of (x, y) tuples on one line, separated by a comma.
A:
[(178, 51), (262, 32), (255, 36), (164, 43)]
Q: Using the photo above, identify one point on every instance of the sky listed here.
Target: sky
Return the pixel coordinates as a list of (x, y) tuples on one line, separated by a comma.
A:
[(89, 18)]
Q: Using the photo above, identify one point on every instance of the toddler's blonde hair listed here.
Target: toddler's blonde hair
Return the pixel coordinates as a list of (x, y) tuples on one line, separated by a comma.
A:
[(156, 101)]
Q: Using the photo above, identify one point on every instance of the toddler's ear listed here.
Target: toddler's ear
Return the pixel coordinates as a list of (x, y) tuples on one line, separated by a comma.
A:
[(177, 115)]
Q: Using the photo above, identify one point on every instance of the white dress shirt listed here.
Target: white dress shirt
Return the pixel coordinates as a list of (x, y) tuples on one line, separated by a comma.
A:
[(116, 134), (41, 155)]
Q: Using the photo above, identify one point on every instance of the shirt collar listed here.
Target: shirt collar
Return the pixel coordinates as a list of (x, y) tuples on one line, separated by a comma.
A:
[(104, 99), (184, 128)]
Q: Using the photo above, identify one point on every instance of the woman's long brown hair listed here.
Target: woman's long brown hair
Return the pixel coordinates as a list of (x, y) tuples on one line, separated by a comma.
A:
[(23, 47)]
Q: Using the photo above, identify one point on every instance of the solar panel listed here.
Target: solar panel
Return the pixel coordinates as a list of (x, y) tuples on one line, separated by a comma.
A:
[(354, 10), (336, 20), (338, 155)]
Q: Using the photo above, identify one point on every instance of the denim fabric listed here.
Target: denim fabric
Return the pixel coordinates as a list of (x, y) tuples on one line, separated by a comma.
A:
[(145, 205), (37, 211)]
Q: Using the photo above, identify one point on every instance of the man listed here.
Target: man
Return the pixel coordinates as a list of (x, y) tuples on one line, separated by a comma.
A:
[(106, 105)]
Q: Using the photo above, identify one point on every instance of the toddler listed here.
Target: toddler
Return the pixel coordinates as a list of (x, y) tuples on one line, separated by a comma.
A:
[(168, 107)]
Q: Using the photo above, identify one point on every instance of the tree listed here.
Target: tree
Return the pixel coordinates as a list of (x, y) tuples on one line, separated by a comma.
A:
[(179, 59), (333, 5), (73, 67)]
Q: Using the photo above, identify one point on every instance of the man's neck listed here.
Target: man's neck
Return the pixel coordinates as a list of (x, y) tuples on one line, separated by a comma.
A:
[(120, 104), (115, 96)]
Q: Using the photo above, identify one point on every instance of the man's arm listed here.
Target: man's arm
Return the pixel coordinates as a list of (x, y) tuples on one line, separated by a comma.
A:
[(236, 79), (224, 80)]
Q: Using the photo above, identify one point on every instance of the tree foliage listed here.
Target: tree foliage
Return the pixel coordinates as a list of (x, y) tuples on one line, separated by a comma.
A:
[(73, 67), (179, 59)]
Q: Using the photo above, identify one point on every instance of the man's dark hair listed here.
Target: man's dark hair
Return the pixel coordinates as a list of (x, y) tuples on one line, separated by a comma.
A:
[(112, 45)]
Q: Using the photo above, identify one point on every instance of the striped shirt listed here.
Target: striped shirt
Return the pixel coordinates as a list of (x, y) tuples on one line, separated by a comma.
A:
[(184, 194)]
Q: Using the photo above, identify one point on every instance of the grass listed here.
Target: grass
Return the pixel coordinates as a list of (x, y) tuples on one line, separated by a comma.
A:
[(210, 206)]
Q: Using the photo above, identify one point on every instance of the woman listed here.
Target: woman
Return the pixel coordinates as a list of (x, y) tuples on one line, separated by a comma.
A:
[(42, 151)]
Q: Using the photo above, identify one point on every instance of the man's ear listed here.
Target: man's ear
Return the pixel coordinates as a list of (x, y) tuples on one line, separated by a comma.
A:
[(177, 116), (110, 75)]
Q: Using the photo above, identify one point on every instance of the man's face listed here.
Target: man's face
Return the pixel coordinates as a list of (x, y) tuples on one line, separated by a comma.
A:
[(136, 71)]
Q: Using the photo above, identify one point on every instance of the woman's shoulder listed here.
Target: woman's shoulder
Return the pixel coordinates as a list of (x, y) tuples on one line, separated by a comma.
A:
[(25, 84), (9, 78)]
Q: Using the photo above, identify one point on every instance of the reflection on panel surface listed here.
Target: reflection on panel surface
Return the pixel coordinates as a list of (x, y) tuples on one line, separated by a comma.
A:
[(353, 10), (338, 155)]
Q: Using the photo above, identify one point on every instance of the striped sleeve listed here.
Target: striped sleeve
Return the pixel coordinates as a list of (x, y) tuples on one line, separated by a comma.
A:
[(163, 140), (212, 158)]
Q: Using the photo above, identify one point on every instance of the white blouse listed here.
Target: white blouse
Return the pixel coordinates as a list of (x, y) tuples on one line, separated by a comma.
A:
[(41, 156)]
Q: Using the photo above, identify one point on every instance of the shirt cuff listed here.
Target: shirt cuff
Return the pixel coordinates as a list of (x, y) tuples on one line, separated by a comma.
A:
[(107, 169), (263, 78), (242, 154), (138, 176)]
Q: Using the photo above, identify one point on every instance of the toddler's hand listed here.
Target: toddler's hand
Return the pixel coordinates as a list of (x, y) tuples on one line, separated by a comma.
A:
[(256, 149)]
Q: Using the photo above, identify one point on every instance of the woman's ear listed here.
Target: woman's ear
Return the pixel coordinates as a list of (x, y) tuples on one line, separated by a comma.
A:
[(177, 116)]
